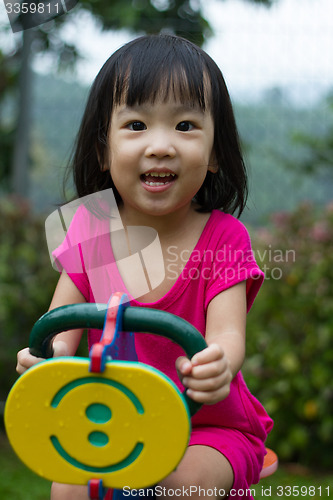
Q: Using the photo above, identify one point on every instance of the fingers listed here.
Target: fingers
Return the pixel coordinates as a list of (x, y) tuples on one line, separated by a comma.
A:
[(211, 392), (25, 360), (213, 352), (210, 369), (183, 366), (207, 376), (208, 355), (208, 384)]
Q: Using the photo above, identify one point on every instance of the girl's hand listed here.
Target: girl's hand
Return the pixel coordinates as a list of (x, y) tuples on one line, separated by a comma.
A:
[(25, 360), (207, 376)]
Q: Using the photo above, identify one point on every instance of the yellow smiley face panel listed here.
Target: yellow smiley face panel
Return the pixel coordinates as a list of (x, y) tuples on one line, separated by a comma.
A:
[(128, 426)]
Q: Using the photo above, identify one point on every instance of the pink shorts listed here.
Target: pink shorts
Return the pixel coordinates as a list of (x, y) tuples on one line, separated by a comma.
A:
[(245, 452)]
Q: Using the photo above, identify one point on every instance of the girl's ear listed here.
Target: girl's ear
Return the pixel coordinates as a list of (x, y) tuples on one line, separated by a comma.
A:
[(103, 165), (104, 168), (213, 165), (213, 168)]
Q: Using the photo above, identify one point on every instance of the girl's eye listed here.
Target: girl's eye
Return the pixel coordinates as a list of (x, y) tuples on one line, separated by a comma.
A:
[(184, 126), (137, 126)]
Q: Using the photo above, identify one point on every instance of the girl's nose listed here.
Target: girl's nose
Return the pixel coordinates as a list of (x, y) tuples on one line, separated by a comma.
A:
[(160, 145)]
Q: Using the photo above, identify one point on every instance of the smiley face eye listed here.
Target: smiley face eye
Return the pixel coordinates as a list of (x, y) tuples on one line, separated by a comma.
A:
[(97, 438), (98, 413)]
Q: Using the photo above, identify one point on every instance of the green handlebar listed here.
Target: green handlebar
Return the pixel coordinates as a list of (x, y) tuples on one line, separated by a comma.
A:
[(134, 319)]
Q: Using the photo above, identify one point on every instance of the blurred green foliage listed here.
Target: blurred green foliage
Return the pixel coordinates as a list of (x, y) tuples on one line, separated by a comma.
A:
[(317, 146), (290, 334), (27, 281)]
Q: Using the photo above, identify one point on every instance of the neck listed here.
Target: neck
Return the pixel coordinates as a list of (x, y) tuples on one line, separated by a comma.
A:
[(165, 225)]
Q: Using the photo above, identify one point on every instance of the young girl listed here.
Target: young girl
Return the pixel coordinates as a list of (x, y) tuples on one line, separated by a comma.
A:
[(159, 130)]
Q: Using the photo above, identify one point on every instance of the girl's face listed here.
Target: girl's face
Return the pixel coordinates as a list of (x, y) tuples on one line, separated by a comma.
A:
[(159, 154)]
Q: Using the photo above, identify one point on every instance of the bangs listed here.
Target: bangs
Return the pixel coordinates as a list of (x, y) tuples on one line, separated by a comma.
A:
[(148, 71)]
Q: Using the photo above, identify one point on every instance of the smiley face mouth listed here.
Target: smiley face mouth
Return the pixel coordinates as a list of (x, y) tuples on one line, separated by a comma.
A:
[(97, 470)]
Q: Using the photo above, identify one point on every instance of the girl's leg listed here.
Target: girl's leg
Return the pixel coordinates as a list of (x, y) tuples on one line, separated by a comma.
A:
[(69, 492), (202, 467)]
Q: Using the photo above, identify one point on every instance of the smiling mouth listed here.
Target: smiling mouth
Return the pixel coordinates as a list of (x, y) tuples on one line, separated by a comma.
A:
[(158, 179), (97, 470)]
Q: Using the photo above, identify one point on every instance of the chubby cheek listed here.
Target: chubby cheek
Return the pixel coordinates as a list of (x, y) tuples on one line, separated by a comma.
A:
[(198, 169), (124, 158)]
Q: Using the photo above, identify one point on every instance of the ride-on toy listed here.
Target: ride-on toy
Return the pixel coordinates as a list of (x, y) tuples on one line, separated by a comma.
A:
[(103, 421)]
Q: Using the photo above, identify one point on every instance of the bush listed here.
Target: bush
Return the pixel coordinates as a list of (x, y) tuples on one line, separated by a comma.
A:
[(27, 282), (290, 334)]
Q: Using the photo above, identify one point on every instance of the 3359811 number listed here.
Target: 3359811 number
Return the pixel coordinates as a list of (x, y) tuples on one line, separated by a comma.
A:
[(32, 8), (302, 491)]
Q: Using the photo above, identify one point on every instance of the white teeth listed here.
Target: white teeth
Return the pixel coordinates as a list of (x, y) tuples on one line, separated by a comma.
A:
[(155, 183)]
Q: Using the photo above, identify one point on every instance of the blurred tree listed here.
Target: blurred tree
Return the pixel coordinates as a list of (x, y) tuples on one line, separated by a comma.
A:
[(310, 152), (318, 147), (21, 151), (8, 79), (182, 17)]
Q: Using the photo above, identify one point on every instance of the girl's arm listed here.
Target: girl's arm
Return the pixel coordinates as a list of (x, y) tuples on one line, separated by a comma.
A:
[(66, 343), (209, 373)]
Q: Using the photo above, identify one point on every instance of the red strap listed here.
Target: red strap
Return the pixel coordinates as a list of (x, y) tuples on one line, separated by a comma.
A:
[(95, 489), (97, 351)]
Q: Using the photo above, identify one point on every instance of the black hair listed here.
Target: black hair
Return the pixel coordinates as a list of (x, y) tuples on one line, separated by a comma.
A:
[(139, 72)]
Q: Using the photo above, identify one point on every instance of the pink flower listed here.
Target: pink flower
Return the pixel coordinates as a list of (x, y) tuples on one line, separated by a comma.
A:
[(320, 232), (280, 218), (264, 235), (329, 207)]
